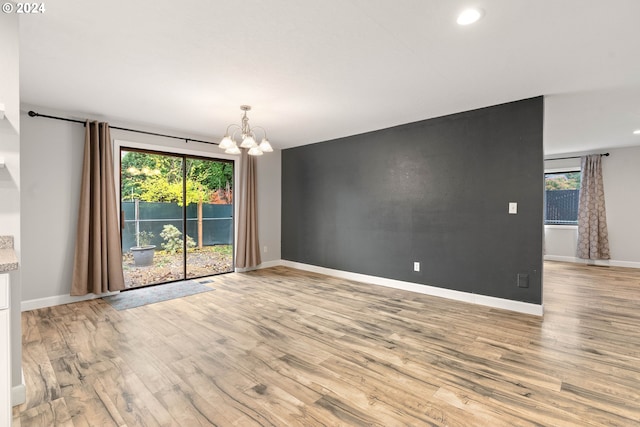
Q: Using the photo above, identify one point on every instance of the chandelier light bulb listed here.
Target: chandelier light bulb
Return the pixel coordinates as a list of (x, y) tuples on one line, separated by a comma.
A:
[(255, 151), (265, 146), (233, 150), (248, 142), (226, 143)]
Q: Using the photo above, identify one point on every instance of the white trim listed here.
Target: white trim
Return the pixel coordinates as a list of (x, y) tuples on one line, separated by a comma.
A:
[(518, 306), (564, 169), (561, 227), (598, 262), (19, 393), (560, 258), (118, 143), (274, 263), (266, 264), (34, 304)]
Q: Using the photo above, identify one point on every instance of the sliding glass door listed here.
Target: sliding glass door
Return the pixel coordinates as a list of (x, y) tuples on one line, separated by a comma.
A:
[(209, 214), (177, 216)]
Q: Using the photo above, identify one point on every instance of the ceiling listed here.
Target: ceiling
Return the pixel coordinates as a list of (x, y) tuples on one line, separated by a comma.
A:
[(318, 70)]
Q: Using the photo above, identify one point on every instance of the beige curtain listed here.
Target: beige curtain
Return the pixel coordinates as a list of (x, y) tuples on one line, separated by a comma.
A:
[(98, 258), (593, 238), (248, 247)]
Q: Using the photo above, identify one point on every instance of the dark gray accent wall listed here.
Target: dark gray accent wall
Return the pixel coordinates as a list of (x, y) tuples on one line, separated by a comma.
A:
[(435, 191)]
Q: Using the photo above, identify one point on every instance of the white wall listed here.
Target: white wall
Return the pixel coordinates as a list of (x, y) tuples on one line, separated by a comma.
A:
[(51, 168), (52, 162), (269, 172), (621, 175), (10, 175)]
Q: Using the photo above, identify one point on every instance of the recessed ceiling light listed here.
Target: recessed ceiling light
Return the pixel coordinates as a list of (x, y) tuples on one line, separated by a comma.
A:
[(636, 132), (469, 16)]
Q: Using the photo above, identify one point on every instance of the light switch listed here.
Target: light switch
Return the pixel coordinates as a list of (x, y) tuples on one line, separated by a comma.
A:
[(513, 208)]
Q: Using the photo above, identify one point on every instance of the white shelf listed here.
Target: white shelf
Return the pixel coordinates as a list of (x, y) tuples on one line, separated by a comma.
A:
[(5, 124)]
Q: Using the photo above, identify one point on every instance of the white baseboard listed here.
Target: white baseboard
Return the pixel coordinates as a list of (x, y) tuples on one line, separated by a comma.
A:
[(518, 306), (34, 304), (265, 264), (273, 263), (19, 393), (598, 262)]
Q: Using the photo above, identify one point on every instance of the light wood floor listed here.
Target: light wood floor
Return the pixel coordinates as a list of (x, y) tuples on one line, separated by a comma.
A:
[(280, 347)]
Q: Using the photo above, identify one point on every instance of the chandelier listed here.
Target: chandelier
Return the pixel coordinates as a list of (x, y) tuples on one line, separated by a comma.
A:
[(248, 138)]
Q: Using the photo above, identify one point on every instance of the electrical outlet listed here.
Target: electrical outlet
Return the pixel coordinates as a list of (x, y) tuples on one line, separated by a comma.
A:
[(265, 250), (416, 266), (513, 208), (523, 280)]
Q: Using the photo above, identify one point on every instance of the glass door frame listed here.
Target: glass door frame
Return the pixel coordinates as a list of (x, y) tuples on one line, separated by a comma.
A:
[(174, 150)]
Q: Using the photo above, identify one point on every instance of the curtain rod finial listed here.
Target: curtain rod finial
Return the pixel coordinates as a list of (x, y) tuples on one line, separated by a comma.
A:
[(32, 113)]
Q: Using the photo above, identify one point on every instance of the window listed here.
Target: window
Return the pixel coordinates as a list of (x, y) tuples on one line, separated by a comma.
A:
[(561, 195)]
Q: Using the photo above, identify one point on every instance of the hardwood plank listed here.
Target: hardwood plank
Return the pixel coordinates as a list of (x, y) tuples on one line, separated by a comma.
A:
[(30, 331), (128, 400), (278, 347), (51, 413), (103, 395), (40, 378)]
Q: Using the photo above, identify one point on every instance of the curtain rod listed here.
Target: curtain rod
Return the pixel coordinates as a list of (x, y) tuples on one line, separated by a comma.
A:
[(34, 114), (574, 157)]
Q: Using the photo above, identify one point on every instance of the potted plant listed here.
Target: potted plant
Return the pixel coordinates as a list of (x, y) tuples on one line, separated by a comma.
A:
[(143, 253)]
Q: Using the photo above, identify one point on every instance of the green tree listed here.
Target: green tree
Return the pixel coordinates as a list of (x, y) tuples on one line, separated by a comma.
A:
[(153, 177), (135, 169), (159, 189), (212, 175), (563, 181)]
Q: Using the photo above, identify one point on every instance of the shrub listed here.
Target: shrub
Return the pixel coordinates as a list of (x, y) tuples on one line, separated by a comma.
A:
[(173, 239), (145, 237)]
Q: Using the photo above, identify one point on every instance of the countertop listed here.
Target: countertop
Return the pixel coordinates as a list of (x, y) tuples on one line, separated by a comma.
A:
[(8, 258)]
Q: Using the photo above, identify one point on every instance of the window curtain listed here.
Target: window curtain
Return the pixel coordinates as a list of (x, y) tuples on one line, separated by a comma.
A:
[(98, 256), (248, 247), (593, 238)]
